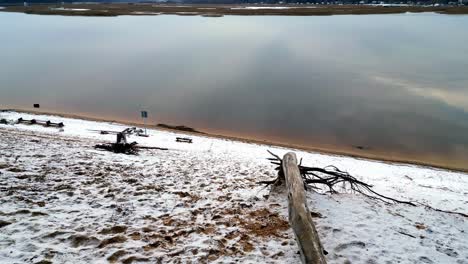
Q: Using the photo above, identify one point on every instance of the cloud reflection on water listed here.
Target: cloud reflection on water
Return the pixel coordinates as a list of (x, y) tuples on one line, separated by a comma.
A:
[(386, 82)]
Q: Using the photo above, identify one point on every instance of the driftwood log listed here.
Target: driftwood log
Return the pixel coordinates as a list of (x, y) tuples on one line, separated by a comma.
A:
[(300, 218), (125, 148), (299, 178), (332, 180), (329, 180), (121, 145)]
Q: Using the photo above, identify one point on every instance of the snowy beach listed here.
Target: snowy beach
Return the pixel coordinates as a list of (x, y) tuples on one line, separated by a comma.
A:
[(62, 201)]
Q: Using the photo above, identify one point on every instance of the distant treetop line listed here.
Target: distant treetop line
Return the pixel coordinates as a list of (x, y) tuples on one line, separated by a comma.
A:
[(415, 2)]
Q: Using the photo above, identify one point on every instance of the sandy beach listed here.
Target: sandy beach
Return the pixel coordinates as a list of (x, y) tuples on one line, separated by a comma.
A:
[(339, 150)]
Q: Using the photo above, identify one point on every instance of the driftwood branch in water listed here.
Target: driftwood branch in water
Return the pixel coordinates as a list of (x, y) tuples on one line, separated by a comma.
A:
[(327, 180)]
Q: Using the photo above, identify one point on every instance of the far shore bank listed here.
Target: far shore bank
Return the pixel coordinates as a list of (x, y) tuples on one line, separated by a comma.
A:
[(217, 10), (340, 151)]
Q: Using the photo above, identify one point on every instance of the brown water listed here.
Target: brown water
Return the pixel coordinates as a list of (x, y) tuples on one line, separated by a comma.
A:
[(396, 85)]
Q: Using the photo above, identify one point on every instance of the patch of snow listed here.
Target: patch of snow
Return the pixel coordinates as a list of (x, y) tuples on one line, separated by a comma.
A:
[(260, 7), (69, 9), (145, 13), (2, 7), (171, 6), (421, 13), (363, 231), (187, 13), (388, 5), (269, 7), (65, 201)]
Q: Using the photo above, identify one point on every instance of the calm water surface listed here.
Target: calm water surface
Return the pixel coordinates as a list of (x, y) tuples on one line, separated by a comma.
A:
[(395, 84)]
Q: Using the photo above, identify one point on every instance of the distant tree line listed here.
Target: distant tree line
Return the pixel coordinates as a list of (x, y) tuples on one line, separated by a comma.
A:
[(413, 2), (16, 2), (421, 2)]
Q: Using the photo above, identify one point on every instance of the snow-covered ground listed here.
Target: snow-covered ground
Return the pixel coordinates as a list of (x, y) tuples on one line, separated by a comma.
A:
[(65, 202)]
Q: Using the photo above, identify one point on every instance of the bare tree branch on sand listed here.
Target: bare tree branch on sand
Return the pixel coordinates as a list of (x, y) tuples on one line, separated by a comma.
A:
[(330, 179)]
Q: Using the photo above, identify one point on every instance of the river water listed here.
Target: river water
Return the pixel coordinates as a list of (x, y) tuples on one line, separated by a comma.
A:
[(392, 85)]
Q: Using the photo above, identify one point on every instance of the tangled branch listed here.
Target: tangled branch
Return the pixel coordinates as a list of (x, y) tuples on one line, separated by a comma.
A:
[(328, 179), (125, 148)]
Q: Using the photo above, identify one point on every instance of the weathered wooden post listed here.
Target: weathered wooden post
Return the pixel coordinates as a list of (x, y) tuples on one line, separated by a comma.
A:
[(299, 215)]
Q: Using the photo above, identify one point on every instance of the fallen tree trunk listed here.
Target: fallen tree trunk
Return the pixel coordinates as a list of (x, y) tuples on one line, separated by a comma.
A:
[(124, 148), (320, 179), (300, 218), (332, 180)]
